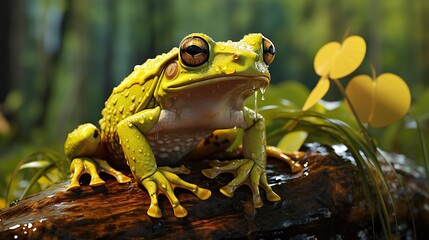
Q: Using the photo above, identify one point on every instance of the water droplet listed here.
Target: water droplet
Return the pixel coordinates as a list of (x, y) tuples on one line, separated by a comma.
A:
[(130, 125), (126, 93), (256, 104), (132, 107), (121, 109), (262, 90), (141, 120)]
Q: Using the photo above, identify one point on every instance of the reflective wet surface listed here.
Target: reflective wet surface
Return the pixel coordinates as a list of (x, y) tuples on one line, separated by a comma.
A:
[(325, 200)]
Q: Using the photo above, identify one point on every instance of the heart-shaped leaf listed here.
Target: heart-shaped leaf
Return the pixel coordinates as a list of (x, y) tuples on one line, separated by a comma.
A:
[(379, 102), (335, 60)]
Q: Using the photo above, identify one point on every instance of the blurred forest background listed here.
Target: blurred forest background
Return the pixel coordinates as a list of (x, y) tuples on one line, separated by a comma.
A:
[(60, 59)]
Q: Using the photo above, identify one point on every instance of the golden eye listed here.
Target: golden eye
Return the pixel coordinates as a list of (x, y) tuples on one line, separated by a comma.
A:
[(194, 51), (269, 50)]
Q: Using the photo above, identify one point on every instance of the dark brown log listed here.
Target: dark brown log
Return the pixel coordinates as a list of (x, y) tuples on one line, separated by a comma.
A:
[(326, 200)]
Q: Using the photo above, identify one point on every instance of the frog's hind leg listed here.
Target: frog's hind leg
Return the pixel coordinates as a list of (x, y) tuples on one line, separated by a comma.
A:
[(93, 166), (103, 166), (216, 145), (285, 157), (80, 166)]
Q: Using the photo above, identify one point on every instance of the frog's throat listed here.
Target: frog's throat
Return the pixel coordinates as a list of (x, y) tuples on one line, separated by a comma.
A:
[(249, 82)]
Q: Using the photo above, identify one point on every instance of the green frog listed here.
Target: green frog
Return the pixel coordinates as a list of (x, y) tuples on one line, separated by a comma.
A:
[(181, 103)]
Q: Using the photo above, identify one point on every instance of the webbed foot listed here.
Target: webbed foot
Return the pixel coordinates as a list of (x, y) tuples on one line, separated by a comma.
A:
[(164, 181), (92, 166), (247, 172)]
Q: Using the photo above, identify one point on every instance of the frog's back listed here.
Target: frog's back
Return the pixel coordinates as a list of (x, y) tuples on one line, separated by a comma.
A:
[(132, 95)]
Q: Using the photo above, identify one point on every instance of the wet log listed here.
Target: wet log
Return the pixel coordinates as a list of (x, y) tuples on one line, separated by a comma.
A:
[(325, 200)]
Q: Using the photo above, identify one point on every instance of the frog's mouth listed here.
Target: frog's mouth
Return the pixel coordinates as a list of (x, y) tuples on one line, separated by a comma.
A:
[(228, 82), (217, 93)]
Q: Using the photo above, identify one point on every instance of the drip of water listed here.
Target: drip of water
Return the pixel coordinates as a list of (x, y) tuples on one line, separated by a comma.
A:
[(262, 90), (255, 108)]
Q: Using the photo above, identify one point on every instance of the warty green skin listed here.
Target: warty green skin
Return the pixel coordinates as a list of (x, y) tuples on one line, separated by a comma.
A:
[(165, 108)]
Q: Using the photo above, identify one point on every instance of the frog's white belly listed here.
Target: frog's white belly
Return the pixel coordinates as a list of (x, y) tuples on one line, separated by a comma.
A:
[(177, 133), (171, 147)]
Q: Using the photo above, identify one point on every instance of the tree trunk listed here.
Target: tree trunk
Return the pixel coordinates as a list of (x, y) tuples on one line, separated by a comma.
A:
[(326, 200)]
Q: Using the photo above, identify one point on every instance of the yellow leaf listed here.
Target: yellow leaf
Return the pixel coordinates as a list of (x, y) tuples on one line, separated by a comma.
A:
[(379, 102), (335, 60), (392, 100), (292, 141), (360, 92), (317, 93), (325, 58)]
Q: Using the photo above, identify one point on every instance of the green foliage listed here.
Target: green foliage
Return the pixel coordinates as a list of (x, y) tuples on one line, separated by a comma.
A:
[(68, 55), (35, 173)]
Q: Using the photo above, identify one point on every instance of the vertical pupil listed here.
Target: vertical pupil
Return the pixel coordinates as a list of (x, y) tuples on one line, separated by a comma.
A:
[(95, 134), (270, 50)]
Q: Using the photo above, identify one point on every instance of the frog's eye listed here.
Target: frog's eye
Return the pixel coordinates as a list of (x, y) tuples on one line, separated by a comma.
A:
[(194, 51), (269, 50)]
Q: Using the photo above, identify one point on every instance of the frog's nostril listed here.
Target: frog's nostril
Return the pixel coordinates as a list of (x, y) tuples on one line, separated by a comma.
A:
[(95, 134), (235, 57)]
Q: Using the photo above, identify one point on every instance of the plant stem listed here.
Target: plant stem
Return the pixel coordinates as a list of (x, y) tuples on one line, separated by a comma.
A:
[(364, 131)]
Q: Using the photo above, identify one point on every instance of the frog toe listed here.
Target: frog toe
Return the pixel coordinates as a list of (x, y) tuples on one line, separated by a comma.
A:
[(123, 178), (74, 185), (257, 201), (105, 167), (202, 193), (180, 211), (96, 181), (228, 190), (154, 211), (211, 173), (272, 196)]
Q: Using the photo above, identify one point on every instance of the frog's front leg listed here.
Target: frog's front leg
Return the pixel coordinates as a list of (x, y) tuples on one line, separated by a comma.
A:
[(250, 170), (143, 165)]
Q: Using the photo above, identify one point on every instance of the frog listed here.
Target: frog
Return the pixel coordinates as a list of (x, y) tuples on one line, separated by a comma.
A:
[(187, 101)]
